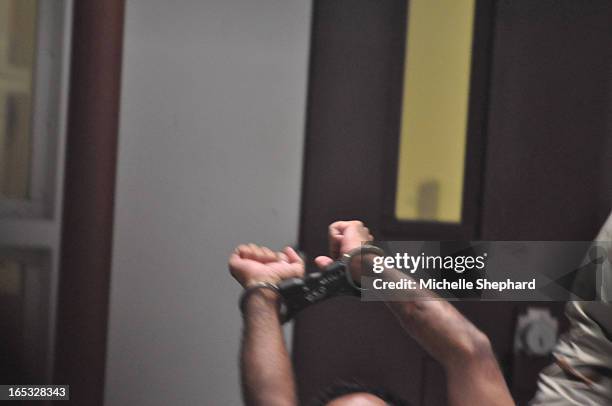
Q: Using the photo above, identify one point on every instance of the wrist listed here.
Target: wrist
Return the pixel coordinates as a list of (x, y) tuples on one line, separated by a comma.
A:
[(360, 265), (363, 263), (470, 349), (259, 299)]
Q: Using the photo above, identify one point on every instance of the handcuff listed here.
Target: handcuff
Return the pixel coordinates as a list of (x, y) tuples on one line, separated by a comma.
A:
[(296, 294)]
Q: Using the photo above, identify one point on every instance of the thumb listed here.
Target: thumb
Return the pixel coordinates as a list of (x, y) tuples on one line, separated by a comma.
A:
[(323, 261), (292, 256)]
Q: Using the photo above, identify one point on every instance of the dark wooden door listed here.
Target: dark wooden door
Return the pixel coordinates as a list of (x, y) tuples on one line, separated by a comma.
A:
[(539, 133)]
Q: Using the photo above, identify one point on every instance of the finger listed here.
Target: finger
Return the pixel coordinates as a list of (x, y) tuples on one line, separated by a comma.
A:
[(293, 256), (282, 256), (234, 259), (337, 227), (268, 255), (243, 250), (342, 225), (335, 237), (256, 253), (234, 263), (323, 262), (334, 245), (295, 271)]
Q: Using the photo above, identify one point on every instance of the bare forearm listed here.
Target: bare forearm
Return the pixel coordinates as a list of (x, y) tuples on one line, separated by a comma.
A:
[(477, 381), (267, 375), (473, 375), (440, 329)]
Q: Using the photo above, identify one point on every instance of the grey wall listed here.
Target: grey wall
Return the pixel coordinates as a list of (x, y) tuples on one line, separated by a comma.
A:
[(212, 119)]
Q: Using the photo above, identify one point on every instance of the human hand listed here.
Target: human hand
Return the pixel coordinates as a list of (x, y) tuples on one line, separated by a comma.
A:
[(344, 236), (250, 264)]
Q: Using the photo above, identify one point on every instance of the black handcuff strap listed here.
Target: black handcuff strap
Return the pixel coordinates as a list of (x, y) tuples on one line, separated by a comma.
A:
[(298, 293)]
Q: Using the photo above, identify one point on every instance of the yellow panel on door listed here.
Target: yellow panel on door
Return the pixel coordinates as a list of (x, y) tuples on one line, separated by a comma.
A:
[(434, 110)]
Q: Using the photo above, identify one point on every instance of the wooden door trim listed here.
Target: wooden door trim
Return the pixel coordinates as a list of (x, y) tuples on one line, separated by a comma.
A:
[(474, 171), (89, 187)]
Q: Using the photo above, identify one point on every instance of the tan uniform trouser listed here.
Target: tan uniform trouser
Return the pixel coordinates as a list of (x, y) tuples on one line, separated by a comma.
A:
[(587, 349), (583, 372)]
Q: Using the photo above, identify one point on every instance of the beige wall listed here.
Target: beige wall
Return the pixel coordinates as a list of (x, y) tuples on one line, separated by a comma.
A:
[(212, 121)]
